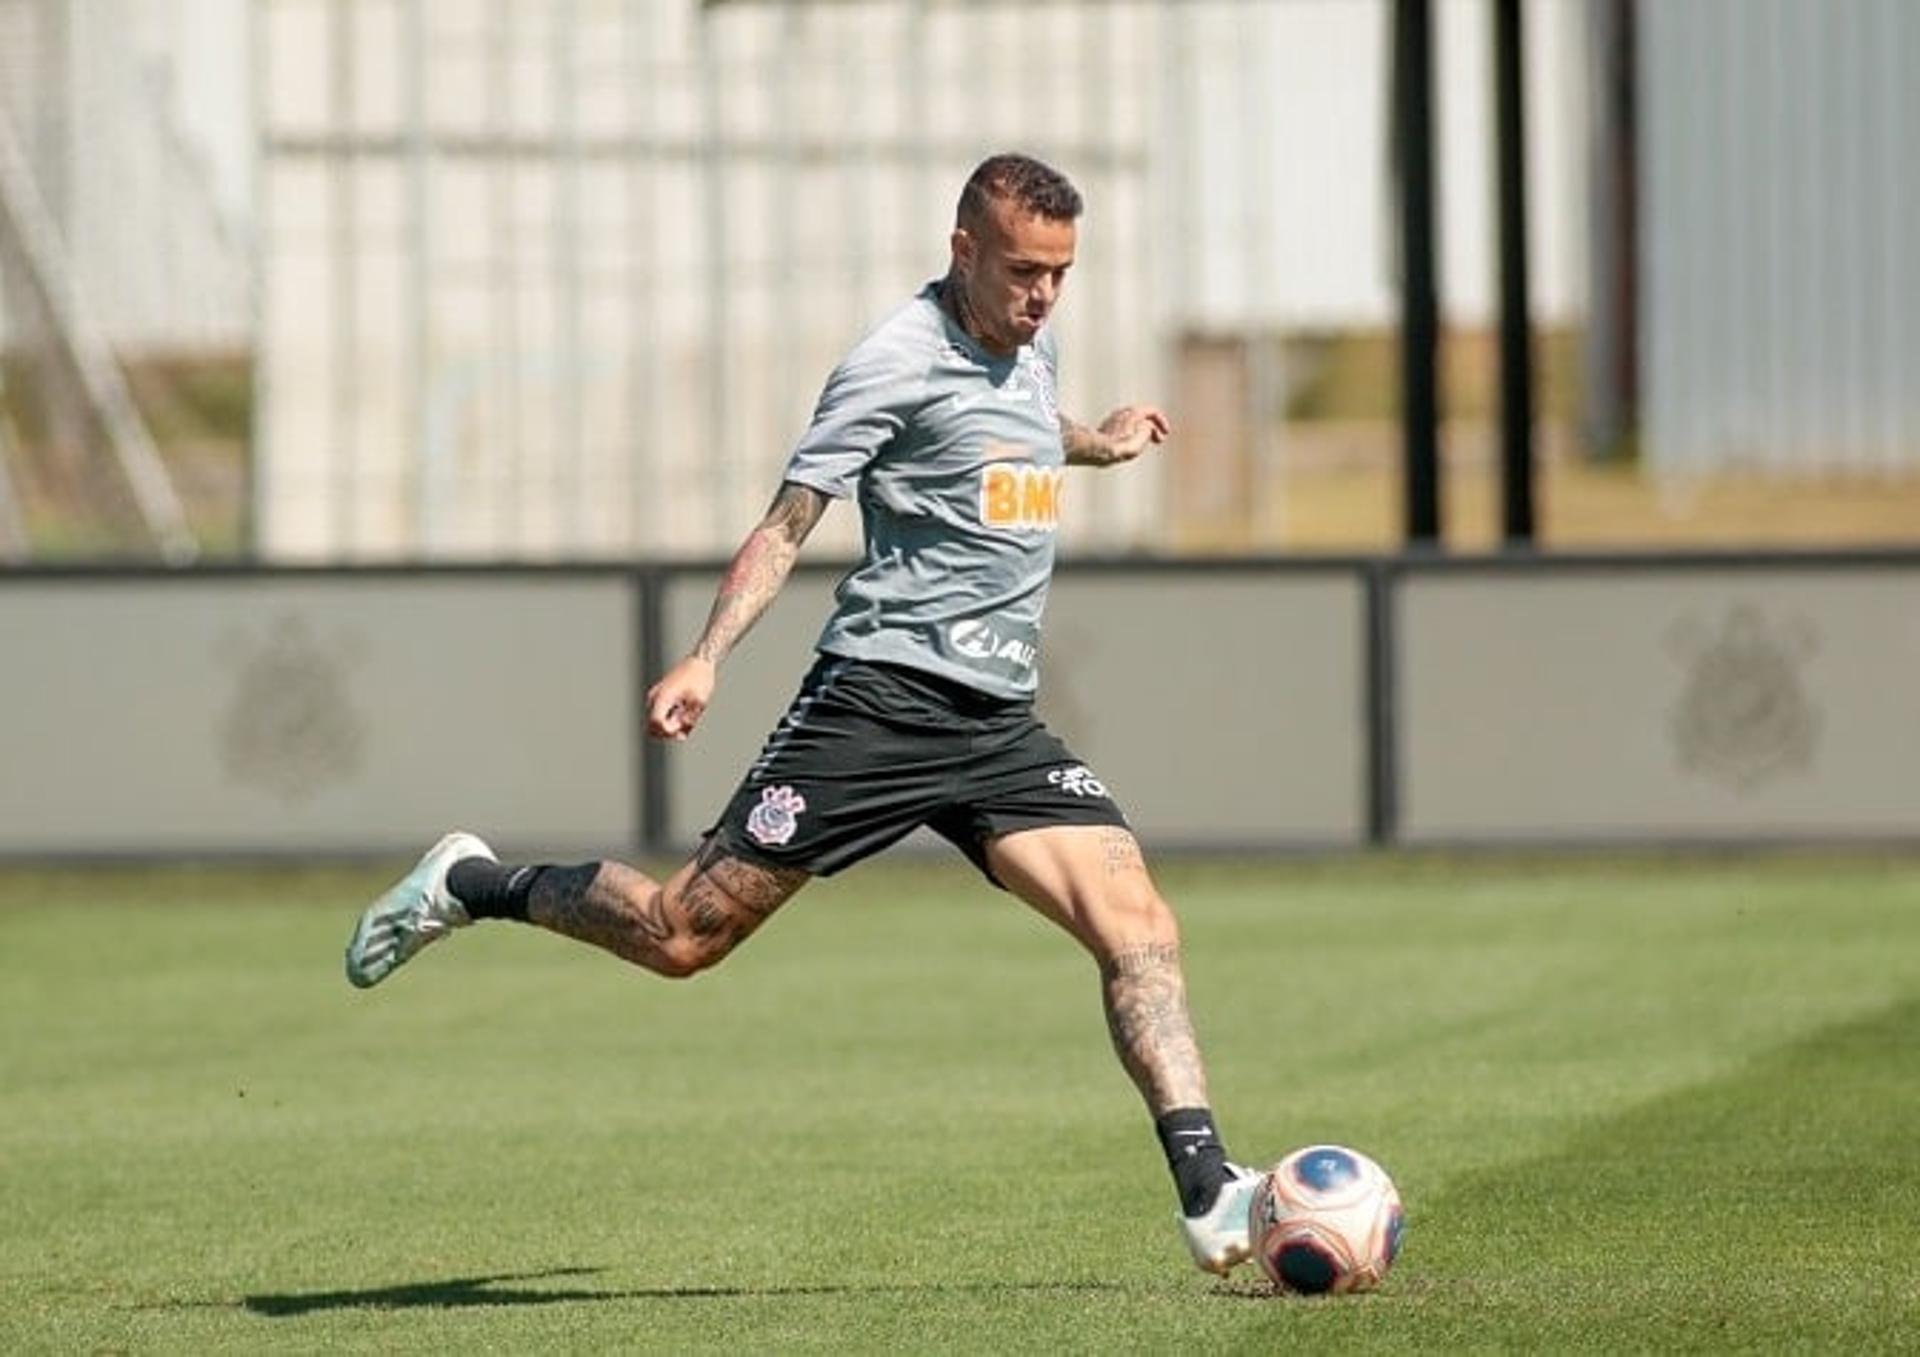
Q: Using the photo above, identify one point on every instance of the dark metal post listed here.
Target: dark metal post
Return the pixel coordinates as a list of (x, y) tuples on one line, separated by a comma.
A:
[(650, 769), (1612, 360), (1420, 323), (1516, 330), (1382, 586)]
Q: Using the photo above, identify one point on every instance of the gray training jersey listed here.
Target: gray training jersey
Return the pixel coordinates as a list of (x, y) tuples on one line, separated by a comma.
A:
[(956, 457)]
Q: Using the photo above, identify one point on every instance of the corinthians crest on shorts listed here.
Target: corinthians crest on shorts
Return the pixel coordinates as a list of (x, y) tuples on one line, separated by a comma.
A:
[(777, 816)]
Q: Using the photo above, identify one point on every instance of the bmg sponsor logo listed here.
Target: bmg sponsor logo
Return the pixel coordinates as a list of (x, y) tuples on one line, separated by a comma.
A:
[(1021, 498)]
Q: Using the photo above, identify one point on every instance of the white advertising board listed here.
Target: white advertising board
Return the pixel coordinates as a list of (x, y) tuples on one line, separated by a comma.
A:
[(330, 713), (1659, 705)]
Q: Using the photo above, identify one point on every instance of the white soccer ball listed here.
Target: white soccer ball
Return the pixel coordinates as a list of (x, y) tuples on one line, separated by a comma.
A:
[(1325, 1219)]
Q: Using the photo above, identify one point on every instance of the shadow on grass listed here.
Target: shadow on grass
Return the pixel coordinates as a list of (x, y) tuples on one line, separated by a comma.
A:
[(1794, 1166), (485, 1291)]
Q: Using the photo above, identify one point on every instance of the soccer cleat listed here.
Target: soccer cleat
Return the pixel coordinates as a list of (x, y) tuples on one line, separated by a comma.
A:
[(1220, 1239), (417, 910)]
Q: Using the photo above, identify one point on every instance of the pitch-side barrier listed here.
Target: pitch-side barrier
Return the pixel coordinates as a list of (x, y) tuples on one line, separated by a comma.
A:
[(1289, 704)]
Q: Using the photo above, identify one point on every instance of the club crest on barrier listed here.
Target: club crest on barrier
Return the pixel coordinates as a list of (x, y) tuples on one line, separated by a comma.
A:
[(290, 728), (1744, 716)]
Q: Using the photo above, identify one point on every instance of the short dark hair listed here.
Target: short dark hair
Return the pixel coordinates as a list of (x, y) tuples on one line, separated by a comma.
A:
[(1035, 187)]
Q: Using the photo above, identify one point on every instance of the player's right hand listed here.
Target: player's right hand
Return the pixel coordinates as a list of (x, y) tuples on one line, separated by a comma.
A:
[(677, 702)]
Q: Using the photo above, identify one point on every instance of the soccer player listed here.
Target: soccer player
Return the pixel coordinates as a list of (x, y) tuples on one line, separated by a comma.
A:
[(943, 423)]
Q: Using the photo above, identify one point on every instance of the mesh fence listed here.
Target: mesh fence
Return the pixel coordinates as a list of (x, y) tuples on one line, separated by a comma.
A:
[(126, 319), (561, 278)]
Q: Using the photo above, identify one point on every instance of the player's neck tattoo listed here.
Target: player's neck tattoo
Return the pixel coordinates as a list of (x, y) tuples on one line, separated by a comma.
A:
[(954, 293)]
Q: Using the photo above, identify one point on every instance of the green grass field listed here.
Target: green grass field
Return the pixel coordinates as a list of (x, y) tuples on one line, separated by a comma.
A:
[(1631, 1105)]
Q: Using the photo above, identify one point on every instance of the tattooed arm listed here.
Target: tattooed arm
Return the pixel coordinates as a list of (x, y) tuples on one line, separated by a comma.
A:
[(1121, 437), (759, 568), (676, 703)]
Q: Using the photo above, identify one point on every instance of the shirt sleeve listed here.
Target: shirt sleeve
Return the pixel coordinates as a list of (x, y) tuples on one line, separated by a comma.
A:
[(861, 410)]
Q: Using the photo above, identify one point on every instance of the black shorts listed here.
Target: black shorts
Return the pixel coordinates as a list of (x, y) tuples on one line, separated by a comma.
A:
[(869, 752)]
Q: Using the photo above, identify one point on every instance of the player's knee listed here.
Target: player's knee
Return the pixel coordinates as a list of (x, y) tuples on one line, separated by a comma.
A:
[(1144, 917), (1128, 919), (1162, 923)]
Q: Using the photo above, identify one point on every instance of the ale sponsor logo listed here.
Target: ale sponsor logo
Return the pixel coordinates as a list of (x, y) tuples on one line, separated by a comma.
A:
[(978, 641)]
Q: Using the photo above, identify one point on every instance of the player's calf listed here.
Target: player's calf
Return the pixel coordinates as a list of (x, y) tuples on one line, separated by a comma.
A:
[(689, 924)]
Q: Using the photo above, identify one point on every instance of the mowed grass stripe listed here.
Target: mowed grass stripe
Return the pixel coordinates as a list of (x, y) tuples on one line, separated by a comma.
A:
[(892, 1122), (1776, 1208)]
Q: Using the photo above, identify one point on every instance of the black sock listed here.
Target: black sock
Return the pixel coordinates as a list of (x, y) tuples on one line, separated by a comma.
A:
[(492, 890), (1195, 1154)]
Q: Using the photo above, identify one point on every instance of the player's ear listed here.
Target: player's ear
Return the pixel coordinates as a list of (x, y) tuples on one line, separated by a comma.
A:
[(963, 247)]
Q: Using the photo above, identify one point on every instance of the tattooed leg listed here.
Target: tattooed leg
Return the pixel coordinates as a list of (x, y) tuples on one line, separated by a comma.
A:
[(1093, 881), (1146, 998), (686, 925)]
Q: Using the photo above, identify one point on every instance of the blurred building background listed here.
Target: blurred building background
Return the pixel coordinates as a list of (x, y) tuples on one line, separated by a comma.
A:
[(368, 280)]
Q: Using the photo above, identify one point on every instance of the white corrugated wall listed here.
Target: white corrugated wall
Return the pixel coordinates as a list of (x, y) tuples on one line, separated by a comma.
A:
[(1780, 289)]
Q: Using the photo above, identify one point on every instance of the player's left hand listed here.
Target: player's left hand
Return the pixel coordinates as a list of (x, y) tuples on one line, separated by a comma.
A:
[(1132, 429)]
